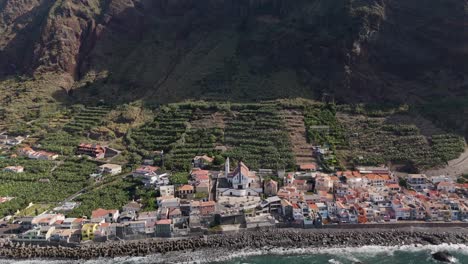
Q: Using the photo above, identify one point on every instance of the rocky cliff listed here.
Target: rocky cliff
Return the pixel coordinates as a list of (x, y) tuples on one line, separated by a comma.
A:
[(166, 50)]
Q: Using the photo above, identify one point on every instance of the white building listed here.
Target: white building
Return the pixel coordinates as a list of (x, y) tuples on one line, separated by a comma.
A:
[(440, 178), (145, 172), (169, 203), (15, 169), (241, 182), (112, 169), (376, 197), (323, 210), (446, 187), (102, 215), (167, 190), (418, 181)]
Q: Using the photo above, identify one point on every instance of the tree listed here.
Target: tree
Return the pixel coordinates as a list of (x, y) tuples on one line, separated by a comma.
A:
[(403, 183), (219, 160)]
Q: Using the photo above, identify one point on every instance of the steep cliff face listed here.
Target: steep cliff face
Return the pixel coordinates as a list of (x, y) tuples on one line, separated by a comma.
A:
[(410, 48), (20, 23), (65, 35), (166, 50)]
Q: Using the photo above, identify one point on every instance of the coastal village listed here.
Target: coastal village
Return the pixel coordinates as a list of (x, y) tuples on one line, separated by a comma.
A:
[(234, 197)]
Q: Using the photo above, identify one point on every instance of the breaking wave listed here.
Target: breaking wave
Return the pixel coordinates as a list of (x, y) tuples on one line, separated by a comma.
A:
[(222, 255)]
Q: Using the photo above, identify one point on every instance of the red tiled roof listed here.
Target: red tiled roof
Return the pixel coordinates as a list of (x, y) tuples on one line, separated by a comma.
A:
[(300, 182), (445, 184), (309, 166), (374, 177), (313, 206), (98, 213), (147, 169), (186, 188), (202, 177), (164, 222), (243, 169), (206, 204), (205, 158), (198, 172)]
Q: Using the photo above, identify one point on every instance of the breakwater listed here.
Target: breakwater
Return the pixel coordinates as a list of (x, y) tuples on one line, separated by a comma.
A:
[(260, 239)]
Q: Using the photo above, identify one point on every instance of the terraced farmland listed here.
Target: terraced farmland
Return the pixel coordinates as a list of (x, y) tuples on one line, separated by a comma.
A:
[(295, 126), (194, 142), (86, 119), (376, 141), (257, 135), (39, 184), (164, 132), (254, 133)]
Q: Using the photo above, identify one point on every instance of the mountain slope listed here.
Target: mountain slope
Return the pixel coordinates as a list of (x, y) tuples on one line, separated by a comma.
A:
[(168, 50)]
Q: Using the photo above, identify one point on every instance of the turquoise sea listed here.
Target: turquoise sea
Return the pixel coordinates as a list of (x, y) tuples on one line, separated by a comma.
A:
[(365, 255)]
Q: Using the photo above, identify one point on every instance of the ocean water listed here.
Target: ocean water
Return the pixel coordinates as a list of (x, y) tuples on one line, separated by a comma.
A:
[(397, 258), (370, 255), (365, 255)]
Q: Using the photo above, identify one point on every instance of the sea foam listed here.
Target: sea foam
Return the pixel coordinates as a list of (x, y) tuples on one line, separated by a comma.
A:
[(222, 255)]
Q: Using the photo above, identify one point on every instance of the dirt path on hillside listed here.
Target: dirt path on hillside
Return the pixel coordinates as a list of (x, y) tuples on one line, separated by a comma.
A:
[(295, 126), (207, 119), (455, 167)]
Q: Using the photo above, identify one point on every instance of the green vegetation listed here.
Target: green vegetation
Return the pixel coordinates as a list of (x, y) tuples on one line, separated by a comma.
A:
[(194, 142), (374, 110), (179, 178), (148, 198), (200, 196), (161, 134), (256, 134), (447, 146), (324, 129), (60, 142), (449, 113), (110, 196), (38, 184), (377, 140), (85, 119), (34, 210)]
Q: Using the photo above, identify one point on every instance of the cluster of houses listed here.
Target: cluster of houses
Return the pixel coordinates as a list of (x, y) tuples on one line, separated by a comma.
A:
[(102, 225), (242, 198), (367, 195), (37, 154), (92, 150)]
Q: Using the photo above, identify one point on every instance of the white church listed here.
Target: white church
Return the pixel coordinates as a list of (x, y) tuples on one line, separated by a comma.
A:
[(241, 182)]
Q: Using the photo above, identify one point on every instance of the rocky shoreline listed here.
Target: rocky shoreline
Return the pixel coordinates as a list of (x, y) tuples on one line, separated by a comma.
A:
[(261, 239)]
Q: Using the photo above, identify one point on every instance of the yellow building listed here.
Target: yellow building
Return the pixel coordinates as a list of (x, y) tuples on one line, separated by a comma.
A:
[(87, 231)]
